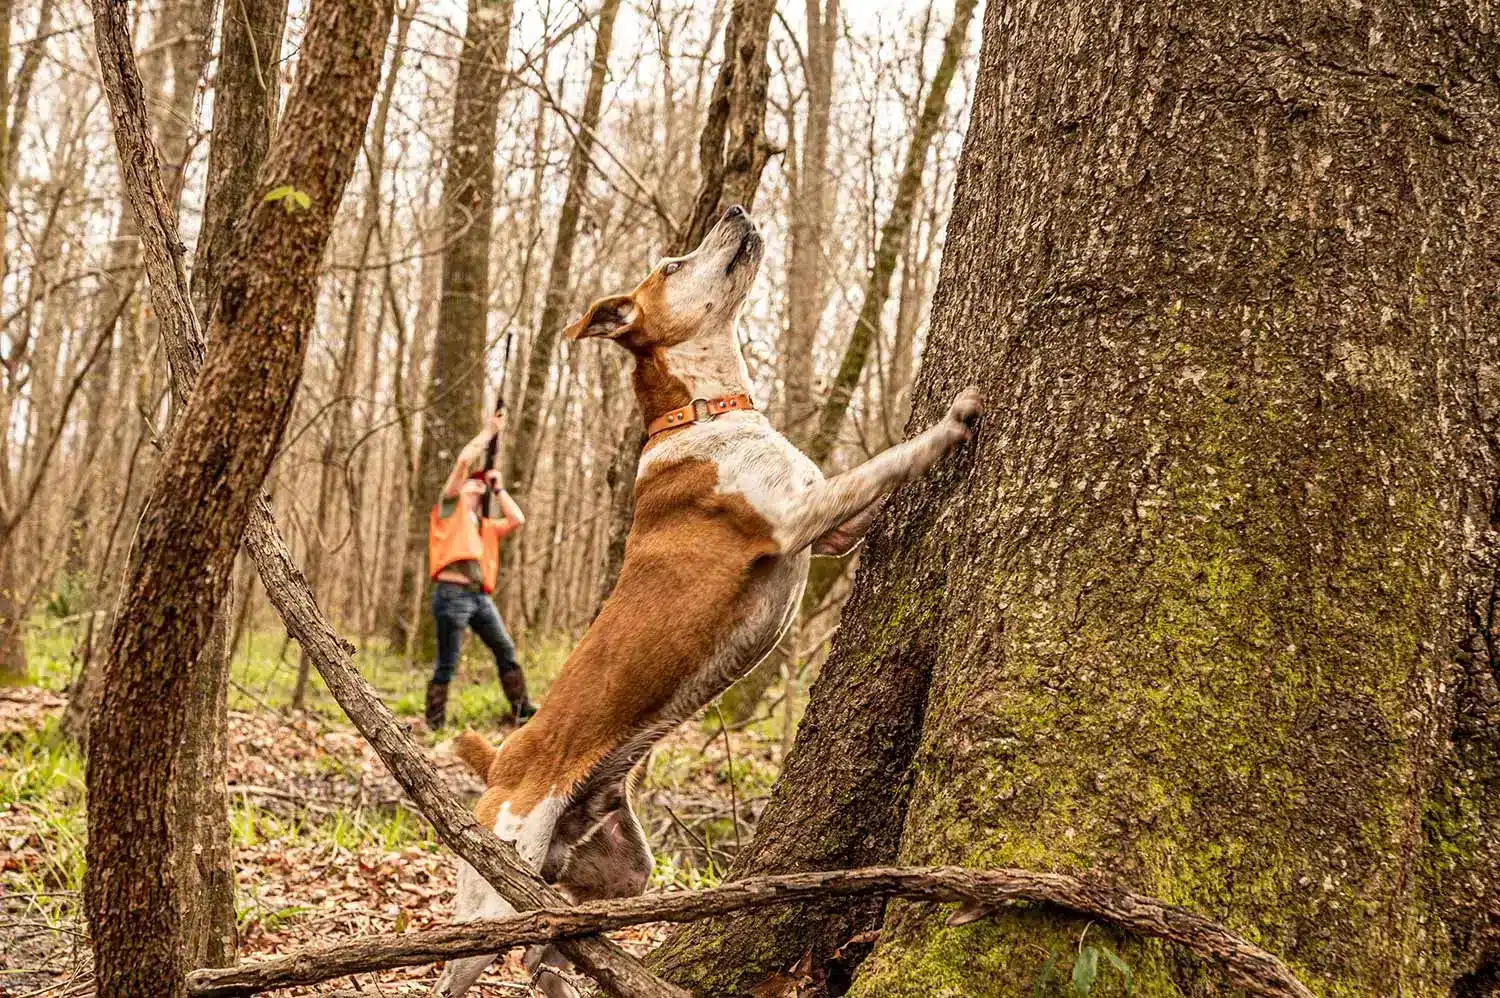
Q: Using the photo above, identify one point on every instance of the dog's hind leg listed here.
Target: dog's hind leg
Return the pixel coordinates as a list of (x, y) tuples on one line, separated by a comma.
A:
[(475, 899), (611, 860)]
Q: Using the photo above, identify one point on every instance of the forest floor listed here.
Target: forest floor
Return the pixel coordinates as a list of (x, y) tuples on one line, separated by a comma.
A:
[(326, 845)]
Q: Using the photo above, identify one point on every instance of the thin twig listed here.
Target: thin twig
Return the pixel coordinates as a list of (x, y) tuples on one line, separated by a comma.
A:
[(734, 804)]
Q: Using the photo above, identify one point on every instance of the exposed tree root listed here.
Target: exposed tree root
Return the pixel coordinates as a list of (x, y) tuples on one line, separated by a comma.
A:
[(1247, 965)]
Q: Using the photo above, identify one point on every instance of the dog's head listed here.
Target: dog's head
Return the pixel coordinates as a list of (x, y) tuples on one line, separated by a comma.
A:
[(683, 296)]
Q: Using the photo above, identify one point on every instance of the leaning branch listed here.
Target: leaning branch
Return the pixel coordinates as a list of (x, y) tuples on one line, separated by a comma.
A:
[(1246, 964), (616, 971), (496, 861)]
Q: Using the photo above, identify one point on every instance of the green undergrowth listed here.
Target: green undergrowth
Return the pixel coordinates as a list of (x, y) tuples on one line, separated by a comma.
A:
[(42, 821), (264, 675), (42, 794)]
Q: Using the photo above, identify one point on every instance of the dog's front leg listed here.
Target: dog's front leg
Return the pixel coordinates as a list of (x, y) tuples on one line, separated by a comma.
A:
[(845, 499), (848, 535)]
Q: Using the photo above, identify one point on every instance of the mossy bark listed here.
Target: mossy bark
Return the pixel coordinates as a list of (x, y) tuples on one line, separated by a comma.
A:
[(1204, 613)]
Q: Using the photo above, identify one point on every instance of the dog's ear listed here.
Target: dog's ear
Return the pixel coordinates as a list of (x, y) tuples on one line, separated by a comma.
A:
[(606, 317)]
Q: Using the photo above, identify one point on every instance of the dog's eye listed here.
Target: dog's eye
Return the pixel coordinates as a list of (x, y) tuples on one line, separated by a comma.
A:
[(672, 268)]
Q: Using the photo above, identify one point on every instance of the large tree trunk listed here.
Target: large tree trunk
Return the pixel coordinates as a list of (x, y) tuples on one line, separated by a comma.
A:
[(1194, 610), (213, 468), (455, 381), (527, 434)]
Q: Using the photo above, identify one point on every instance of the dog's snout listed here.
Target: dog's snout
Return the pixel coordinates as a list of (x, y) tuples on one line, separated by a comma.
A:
[(735, 211)]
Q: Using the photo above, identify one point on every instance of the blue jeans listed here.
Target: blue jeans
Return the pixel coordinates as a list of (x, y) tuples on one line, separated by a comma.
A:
[(456, 608)]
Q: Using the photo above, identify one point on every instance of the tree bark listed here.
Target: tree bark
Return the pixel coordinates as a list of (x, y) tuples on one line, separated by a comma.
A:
[(1193, 606), (13, 668), (558, 296), (245, 104), (247, 94), (213, 467), (455, 381), (732, 149)]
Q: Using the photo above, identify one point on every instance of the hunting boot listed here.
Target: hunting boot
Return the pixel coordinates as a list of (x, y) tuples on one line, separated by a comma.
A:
[(437, 705), (513, 682)]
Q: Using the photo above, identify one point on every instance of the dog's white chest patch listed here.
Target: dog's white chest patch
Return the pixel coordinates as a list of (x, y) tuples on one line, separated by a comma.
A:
[(753, 460)]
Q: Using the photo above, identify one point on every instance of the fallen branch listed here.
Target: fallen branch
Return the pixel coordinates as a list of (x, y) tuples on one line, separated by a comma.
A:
[(1248, 966)]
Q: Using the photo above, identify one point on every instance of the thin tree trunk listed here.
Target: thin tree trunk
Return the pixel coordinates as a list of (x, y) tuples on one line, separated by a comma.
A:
[(211, 472), (732, 151), (245, 103), (20, 97), (811, 209), (246, 98), (559, 286), (13, 668), (1204, 610), (893, 235), (455, 383), (341, 406)]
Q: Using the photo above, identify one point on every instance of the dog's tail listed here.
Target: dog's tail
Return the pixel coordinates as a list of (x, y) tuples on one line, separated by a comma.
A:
[(476, 753)]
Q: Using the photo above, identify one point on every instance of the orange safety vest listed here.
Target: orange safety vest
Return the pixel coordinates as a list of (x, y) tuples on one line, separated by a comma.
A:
[(460, 538)]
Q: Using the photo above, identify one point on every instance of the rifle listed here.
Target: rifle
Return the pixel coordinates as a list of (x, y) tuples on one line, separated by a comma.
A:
[(492, 452)]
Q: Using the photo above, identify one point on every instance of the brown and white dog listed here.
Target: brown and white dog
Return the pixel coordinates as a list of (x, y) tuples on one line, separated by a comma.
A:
[(727, 515)]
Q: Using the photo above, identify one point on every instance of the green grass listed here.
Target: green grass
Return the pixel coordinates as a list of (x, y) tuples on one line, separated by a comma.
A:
[(42, 790), (53, 650), (387, 829), (262, 677)]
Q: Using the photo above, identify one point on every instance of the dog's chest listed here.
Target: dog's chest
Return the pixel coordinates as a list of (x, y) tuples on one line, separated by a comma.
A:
[(752, 462)]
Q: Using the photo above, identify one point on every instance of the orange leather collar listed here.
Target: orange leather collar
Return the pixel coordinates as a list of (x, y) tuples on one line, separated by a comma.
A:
[(698, 411)]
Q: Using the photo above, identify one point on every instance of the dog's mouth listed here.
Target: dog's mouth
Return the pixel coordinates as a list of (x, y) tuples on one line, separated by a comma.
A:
[(748, 249)]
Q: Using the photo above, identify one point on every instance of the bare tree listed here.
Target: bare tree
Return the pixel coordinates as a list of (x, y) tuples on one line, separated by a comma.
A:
[(893, 236), (339, 412), (455, 396), (212, 469), (811, 211), (559, 292)]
